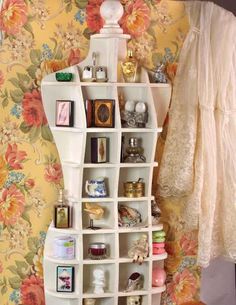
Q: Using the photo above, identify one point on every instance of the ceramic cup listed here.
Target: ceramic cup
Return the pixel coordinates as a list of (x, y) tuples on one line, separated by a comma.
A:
[(96, 187)]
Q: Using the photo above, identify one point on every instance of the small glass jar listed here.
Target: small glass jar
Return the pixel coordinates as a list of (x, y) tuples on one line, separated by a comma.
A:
[(97, 251), (134, 152)]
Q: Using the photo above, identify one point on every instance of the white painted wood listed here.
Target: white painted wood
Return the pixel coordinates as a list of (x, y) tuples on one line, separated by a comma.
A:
[(73, 145)]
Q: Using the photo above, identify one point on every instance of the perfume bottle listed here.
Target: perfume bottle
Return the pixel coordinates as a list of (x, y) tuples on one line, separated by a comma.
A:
[(134, 152), (129, 67), (62, 212)]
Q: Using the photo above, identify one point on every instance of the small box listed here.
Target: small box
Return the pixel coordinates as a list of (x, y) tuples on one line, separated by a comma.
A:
[(99, 150)]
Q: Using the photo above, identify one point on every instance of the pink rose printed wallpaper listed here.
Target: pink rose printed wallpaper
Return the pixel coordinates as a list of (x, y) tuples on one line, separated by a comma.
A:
[(40, 37)]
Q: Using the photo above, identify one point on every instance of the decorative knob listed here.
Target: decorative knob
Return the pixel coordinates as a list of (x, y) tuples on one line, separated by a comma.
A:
[(111, 11)]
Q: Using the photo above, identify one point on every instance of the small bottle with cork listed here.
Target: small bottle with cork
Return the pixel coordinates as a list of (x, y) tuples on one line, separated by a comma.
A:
[(62, 212), (129, 68)]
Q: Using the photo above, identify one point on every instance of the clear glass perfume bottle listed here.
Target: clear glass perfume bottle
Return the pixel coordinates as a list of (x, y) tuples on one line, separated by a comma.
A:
[(62, 211), (129, 67), (134, 152)]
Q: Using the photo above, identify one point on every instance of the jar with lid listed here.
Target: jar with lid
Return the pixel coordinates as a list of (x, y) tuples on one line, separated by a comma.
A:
[(97, 251), (134, 151)]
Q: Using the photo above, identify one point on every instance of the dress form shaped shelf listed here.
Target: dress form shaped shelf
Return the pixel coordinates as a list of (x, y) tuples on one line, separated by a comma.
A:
[(74, 147)]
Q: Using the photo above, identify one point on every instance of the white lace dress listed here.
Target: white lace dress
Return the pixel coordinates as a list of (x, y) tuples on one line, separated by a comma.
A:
[(199, 160)]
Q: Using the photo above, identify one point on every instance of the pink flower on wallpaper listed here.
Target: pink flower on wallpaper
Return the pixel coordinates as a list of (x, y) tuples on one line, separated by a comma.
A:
[(94, 19), (188, 243), (136, 18), (11, 205), (29, 184), (183, 287), (13, 16), (15, 157), (53, 173), (1, 78), (33, 112), (74, 57), (32, 292)]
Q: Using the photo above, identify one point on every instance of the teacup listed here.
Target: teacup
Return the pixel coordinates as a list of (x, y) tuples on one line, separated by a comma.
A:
[(96, 187)]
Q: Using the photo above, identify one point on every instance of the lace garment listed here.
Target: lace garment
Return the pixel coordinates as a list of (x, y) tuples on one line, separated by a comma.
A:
[(199, 159)]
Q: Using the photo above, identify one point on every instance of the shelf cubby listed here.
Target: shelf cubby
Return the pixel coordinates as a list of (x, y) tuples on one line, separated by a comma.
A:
[(109, 175), (113, 143), (125, 271), (72, 180), (125, 242), (109, 271), (123, 300), (107, 221), (108, 239)]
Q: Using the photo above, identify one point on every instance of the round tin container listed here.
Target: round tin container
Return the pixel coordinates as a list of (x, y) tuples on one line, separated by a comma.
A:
[(64, 247), (97, 251), (134, 189)]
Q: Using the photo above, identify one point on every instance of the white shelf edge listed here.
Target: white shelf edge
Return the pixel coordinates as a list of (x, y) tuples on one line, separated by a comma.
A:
[(97, 129), (99, 165), (130, 260), (134, 230), (62, 295), (97, 296), (120, 84), (96, 84), (70, 163), (140, 130), (99, 231), (136, 292), (157, 227), (56, 83), (61, 261), (160, 85), (64, 231), (122, 199), (156, 290), (99, 199), (145, 164), (159, 257), (67, 129), (99, 261)]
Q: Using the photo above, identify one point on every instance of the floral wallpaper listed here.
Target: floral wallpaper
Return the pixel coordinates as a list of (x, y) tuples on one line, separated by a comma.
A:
[(40, 37)]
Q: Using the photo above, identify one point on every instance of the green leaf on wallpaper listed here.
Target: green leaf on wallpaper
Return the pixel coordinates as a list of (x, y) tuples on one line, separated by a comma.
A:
[(22, 269), (16, 95), (23, 77), (5, 102), (25, 128), (15, 282), (29, 257), (35, 56), (81, 3), (156, 58), (26, 217), (46, 133), (87, 33), (14, 81), (29, 28), (34, 133), (33, 244), (13, 269), (68, 7), (32, 70), (4, 290), (58, 54), (152, 32)]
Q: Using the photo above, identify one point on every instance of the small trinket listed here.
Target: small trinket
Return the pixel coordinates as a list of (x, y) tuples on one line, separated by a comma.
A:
[(128, 217), (64, 247), (139, 249), (97, 251), (134, 151), (62, 212), (87, 74), (158, 276), (101, 74), (134, 300), (134, 114), (159, 75), (99, 150), (135, 282), (95, 212), (99, 281), (64, 76), (134, 188)]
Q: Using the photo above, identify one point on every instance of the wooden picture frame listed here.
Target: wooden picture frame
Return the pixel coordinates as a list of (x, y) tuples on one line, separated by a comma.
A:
[(64, 113), (62, 217), (104, 113), (65, 278)]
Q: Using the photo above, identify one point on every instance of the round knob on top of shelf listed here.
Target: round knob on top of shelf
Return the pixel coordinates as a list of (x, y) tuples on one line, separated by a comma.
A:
[(111, 11)]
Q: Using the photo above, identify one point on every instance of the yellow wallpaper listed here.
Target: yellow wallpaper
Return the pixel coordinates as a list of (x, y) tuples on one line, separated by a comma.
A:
[(40, 37)]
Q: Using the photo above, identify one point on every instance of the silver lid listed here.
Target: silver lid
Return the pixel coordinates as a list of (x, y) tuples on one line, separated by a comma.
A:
[(133, 142), (97, 246)]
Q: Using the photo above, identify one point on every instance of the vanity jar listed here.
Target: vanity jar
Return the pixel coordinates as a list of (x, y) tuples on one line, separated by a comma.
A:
[(97, 251), (134, 189), (64, 247)]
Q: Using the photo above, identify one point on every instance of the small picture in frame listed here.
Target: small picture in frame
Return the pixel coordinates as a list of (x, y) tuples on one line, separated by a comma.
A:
[(62, 217), (65, 278), (104, 113), (64, 113)]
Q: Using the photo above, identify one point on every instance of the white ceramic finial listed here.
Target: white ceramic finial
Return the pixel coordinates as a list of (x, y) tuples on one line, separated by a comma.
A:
[(111, 11)]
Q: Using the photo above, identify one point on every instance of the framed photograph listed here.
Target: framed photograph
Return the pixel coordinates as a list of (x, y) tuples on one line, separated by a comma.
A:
[(104, 113), (62, 217), (64, 113), (65, 278)]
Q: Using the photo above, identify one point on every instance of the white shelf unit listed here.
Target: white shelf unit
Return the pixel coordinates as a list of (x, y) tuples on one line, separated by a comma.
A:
[(73, 144)]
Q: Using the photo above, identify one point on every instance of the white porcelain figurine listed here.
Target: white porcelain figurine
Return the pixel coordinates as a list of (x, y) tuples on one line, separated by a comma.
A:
[(99, 281)]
